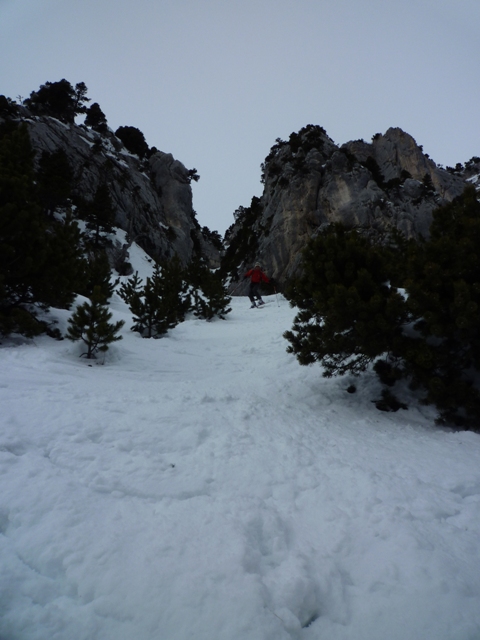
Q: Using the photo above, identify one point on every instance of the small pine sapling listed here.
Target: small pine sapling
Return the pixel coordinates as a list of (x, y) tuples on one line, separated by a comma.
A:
[(161, 303), (208, 292), (91, 323), (98, 274), (130, 290), (218, 298)]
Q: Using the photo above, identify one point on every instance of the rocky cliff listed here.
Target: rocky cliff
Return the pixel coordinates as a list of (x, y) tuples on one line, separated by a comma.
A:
[(309, 182), (152, 197)]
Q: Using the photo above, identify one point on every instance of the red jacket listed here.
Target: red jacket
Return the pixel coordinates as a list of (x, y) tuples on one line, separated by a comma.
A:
[(256, 275)]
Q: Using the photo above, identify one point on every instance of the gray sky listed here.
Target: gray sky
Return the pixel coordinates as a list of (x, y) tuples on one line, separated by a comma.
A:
[(215, 82)]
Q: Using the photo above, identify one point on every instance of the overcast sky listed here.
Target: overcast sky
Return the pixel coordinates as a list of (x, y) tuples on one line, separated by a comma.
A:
[(215, 82)]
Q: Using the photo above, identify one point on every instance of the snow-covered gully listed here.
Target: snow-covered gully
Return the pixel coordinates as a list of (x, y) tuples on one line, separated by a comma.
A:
[(206, 486)]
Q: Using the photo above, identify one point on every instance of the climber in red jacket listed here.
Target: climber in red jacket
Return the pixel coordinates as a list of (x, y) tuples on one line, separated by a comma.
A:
[(256, 276)]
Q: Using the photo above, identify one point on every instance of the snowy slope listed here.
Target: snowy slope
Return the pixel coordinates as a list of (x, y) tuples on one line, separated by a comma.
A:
[(205, 486)]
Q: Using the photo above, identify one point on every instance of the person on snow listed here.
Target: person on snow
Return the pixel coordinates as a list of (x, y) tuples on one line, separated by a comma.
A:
[(256, 276)]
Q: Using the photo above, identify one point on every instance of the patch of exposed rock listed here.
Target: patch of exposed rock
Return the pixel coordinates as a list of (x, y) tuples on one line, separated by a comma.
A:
[(152, 197), (310, 182)]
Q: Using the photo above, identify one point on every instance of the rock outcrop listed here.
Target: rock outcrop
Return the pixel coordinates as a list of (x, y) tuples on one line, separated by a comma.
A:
[(152, 197), (310, 182)]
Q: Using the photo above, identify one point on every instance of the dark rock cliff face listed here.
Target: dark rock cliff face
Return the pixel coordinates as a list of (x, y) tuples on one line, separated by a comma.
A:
[(310, 182), (152, 197)]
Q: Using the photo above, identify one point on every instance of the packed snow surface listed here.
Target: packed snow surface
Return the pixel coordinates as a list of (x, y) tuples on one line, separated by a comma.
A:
[(206, 486)]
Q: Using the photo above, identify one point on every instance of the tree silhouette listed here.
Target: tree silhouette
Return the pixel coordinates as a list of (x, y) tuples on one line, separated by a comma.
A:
[(59, 99), (96, 119), (40, 259), (134, 140)]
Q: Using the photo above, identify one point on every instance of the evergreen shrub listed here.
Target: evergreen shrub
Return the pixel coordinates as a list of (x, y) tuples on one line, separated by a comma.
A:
[(59, 100), (91, 324), (41, 261), (410, 309)]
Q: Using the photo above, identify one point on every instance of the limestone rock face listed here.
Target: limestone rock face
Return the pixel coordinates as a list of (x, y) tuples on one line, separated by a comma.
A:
[(310, 182), (396, 152), (152, 198)]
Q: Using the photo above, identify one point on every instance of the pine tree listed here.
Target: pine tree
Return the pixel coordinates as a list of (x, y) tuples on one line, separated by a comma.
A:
[(350, 312), (175, 287), (209, 297), (59, 99), (161, 303), (134, 140), (7, 106), (96, 119), (22, 227), (64, 269), (54, 180), (80, 98), (99, 214), (154, 315), (97, 273), (91, 323), (39, 265), (444, 295), (131, 288)]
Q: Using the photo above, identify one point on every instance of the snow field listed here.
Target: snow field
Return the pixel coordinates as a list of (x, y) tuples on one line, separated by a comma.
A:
[(206, 486)]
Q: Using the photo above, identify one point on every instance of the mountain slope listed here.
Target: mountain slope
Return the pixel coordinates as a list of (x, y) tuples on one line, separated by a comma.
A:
[(151, 196), (205, 485)]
